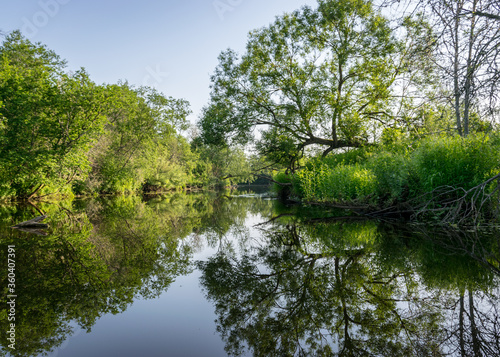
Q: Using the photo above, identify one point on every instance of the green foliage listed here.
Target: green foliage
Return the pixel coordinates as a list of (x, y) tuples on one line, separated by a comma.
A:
[(169, 163), (392, 137), (139, 145), (220, 128), (313, 77), (223, 166), (282, 181), (399, 171), (282, 177), (349, 157), (49, 118), (62, 134), (342, 184), (455, 161), (279, 148), (391, 171)]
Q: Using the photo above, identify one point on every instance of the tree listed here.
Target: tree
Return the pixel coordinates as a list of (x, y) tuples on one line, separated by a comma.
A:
[(468, 56), (48, 118), (314, 77), (139, 143), (57, 127), (222, 166), (492, 6)]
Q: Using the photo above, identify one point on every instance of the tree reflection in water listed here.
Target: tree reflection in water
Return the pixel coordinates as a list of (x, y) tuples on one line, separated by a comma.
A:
[(102, 254), (96, 260), (474, 321), (293, 286), (355, 289)]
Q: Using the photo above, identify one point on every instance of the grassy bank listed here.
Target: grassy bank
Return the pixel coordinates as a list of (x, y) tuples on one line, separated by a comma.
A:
[(409, 171)]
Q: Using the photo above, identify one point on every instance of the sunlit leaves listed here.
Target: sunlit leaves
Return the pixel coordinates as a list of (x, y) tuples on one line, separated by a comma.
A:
[(317, 76), (49, 118)]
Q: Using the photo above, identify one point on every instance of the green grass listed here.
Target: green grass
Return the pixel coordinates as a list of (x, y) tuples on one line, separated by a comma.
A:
[(388, 174), (342, 183)]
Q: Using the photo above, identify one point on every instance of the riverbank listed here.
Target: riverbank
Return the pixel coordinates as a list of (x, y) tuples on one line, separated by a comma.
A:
[(448, 179)]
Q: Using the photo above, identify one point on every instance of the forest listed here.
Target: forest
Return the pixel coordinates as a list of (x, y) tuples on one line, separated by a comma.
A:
[(389, 107), (63, 135)]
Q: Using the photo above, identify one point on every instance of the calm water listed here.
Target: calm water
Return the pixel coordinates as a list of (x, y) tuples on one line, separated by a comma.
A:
[(218, 275)]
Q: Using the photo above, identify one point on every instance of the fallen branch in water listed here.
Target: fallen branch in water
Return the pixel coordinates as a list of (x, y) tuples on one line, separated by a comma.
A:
[(460, 205), (455, 204), (32, 223)]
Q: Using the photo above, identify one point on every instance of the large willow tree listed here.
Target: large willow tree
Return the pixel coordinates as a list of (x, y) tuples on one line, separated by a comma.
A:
[(318, 77)]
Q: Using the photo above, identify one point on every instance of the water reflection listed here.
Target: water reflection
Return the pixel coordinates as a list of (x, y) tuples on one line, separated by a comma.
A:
[(98, 258), (356, 289), (284, 281)]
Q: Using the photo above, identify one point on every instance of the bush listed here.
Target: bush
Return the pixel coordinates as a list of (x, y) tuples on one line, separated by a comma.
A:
[(399, 172), (391, 171), (455, 161), (343, 183), (284, 178)]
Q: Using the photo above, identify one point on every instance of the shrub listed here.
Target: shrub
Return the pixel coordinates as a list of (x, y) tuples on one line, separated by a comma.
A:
[(391, 171), (343, 183), (455, 161), (282, 177), (398, 173)]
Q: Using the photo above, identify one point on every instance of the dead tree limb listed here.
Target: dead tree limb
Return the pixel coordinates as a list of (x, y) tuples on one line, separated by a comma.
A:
[(32, 223), (454, 205), (460, 206)]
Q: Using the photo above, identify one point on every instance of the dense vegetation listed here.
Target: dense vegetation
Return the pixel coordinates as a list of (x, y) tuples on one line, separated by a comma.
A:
[(61, 133), (427, 173), (358, 106), (353, 101)]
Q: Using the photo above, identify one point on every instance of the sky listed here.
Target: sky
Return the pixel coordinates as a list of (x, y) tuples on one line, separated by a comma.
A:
[(171, 45)]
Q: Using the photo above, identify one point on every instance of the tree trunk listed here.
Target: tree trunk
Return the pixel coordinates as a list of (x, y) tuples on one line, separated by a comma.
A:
[(469, 73), (456, 71)]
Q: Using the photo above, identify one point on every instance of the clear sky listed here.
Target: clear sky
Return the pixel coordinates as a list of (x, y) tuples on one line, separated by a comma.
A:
[(172, 44)]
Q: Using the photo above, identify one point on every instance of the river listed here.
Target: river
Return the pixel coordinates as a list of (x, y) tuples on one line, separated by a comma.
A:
[(241, 274)]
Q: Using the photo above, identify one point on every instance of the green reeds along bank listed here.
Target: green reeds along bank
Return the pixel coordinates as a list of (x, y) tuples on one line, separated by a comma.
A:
[(342, 183), (386, 175), (455, 161)]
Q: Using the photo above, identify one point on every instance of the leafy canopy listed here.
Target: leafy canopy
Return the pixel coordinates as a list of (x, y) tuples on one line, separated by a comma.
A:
[(313, 77)]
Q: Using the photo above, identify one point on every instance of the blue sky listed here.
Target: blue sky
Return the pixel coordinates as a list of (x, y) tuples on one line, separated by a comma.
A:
[(172, 45)]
